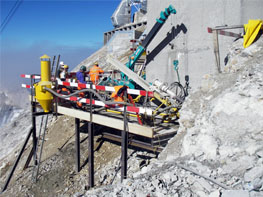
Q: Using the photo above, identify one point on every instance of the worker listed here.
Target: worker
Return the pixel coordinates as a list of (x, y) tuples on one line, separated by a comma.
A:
[(95, 72), (60, 69), (81, 79), (81, 74), (118, 94), (64, 73)]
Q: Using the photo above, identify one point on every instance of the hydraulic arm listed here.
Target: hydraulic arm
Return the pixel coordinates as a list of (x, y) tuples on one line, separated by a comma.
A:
[(159, 23)]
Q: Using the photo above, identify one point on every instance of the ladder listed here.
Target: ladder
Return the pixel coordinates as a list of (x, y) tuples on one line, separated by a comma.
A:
[(40, 142)]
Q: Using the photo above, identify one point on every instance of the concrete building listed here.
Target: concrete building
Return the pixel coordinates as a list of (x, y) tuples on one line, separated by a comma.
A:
[(184, 36)]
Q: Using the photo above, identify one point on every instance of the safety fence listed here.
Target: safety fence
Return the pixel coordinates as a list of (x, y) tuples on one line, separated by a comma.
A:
[(139, 110), (94, 87)]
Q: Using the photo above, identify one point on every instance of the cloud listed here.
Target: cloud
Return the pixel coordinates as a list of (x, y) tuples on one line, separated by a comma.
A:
[(16, 60)]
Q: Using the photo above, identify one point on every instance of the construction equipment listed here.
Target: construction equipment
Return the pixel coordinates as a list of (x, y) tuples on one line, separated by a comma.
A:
[(154, 103), (251, 31), (44, 97), (141, 48), (149, 103), (166, 98)]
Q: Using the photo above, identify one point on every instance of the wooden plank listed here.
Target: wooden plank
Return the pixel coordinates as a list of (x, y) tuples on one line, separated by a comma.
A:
[(107, 121)]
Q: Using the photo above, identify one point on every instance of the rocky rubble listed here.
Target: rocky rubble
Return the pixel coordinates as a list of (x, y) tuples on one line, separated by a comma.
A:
[(218, 151)]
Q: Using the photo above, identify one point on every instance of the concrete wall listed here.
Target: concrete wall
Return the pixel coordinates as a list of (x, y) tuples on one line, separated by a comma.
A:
[(193, 46), (120, 42)]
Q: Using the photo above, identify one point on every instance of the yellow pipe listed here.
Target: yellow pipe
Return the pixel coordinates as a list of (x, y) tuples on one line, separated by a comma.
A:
[(157, 108), (44, 97), (45, 68), (118, 112), (136, 100)]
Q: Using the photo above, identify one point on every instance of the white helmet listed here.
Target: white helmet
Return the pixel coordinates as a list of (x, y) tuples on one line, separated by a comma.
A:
[(61, 63)]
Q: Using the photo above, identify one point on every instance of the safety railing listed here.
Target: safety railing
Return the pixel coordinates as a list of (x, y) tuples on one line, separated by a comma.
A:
[(133, 109), (220, 30)]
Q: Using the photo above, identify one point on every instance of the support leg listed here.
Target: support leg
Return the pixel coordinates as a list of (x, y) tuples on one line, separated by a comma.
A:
[(91, 148), (77, 144), (124, 148), (216, 50), (34, 136)]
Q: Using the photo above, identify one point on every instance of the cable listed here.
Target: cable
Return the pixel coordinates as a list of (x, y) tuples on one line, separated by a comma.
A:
[(87, 90), (162, 110), (10, 15)]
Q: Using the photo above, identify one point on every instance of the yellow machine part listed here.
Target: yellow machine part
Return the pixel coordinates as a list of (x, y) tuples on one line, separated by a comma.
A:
[(44, 97), (251, 31), (162, 102)]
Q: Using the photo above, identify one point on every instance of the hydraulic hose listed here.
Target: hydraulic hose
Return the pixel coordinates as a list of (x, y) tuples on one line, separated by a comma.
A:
[(87, 90), (162, 110)]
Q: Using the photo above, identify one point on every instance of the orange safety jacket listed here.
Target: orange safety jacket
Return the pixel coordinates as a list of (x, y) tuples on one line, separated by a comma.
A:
[(115, 96), (119, 98), (94, 74)]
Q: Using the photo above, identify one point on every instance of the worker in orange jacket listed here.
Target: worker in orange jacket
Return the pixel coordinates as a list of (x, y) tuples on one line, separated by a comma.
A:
[(94, 73), (118, 94)]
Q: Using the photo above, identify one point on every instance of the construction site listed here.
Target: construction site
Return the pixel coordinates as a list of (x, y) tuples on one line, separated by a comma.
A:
[(173, 108)]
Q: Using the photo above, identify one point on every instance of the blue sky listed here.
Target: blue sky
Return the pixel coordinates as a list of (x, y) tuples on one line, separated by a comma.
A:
[(73, 29)]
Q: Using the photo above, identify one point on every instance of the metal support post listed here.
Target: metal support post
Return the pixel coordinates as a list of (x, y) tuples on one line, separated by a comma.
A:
[(91, 147), (34, 132), (124, 146), (55, 78), (77, 144), (216, 50)]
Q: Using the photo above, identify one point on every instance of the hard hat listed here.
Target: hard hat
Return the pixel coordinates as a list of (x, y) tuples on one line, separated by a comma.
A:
[(65, 66), (83, 68), (61, 63), (96, 63)]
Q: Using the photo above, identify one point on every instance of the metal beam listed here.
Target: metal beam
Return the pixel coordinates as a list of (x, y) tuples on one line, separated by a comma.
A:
[(91, 147), (227, 27), (33, 109), (108, 121), (133, 142), (124, 148), (132, 75)]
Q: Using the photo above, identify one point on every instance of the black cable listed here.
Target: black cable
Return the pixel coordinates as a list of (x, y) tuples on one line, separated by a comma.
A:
[(87, 90), (10, 15)]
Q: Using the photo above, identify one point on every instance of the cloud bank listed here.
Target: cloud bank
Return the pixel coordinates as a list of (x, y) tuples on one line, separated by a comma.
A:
[(16, 60)]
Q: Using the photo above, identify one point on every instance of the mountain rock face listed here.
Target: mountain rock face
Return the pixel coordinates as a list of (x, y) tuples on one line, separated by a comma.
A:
[(15, 120), (8, 111)]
